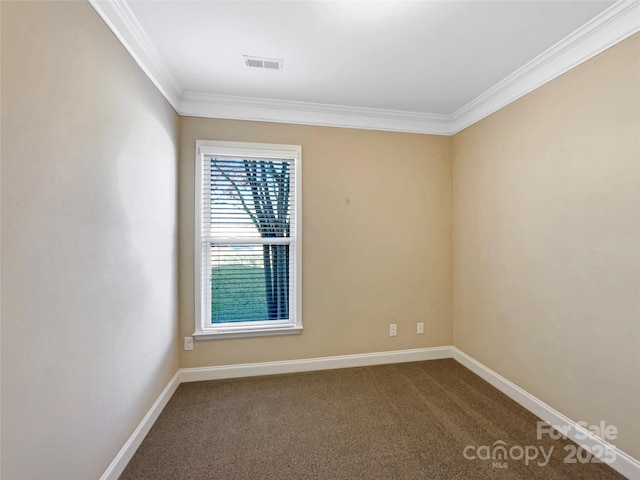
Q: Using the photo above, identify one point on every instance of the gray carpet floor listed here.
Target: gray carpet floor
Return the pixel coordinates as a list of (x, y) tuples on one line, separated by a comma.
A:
[(400, 421)]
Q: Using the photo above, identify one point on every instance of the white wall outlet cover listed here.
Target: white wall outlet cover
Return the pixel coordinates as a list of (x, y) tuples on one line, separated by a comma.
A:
[(188, 343)]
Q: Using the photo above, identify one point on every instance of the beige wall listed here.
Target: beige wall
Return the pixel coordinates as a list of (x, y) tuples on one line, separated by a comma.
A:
[(376, 241), (89, 329), (547, 242)]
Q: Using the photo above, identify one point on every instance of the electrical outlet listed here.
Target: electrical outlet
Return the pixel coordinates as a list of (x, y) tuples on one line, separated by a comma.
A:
[(188, 343), (420, 328), (393, 330)]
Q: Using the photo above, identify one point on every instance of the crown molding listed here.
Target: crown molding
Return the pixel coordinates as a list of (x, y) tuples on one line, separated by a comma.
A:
[(284, 111), (618, 22), (124, 24)]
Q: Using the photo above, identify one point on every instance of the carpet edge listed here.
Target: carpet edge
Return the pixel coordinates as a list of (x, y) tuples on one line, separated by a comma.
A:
[(124, 456), (623, 463), (313, 364)]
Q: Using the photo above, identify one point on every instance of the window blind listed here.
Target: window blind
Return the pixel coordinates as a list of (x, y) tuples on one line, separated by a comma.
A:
[(248, 235)]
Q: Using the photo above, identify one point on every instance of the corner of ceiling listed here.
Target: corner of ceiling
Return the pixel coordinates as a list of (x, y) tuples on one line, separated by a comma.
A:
[(123, 23), (618, 22)]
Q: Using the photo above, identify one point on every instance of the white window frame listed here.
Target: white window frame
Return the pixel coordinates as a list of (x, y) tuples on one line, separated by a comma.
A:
[(203, 327)]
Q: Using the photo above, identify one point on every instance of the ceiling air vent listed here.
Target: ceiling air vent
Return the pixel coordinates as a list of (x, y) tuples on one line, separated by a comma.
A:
[(263, 62)]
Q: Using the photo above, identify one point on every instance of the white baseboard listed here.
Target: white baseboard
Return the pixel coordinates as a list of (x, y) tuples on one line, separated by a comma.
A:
[(623, 463), (311, 364), (127, 451), (119, 463)]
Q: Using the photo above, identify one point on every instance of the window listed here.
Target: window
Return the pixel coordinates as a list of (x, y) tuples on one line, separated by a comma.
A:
[(248, 250)]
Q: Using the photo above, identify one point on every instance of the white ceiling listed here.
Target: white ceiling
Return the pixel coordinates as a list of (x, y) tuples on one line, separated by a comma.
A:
[(409, 60)]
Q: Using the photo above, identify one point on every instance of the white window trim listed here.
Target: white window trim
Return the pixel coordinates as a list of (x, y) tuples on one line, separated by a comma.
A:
[(259, 150)]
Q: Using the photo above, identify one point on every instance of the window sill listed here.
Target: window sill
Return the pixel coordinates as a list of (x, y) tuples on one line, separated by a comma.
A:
[(231, 333)]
